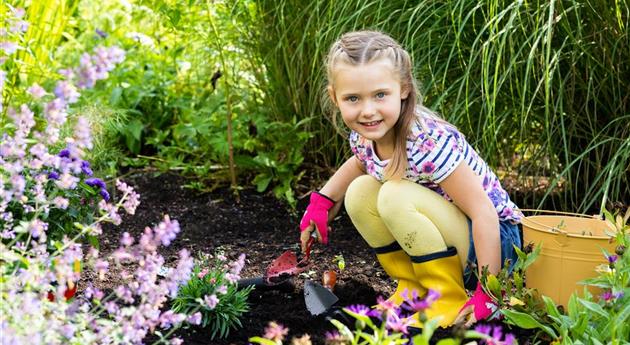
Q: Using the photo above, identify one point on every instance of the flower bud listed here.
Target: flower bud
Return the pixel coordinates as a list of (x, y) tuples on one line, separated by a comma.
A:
[(620, 249)]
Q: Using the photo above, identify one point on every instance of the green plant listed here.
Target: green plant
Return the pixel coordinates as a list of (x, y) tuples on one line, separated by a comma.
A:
[(279, 147), (212, 291)]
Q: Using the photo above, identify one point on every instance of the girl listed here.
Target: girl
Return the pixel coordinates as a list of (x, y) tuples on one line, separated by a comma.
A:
[(416, 191)]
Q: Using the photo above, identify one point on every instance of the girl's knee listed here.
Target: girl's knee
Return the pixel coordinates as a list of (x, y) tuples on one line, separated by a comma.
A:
[(392, 200), (362, 191)]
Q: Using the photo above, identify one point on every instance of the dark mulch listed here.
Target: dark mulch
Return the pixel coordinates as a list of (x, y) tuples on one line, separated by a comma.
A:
[(261, 227)]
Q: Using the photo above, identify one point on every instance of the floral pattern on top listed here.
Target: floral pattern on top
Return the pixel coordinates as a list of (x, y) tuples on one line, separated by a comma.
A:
[(433, 152)]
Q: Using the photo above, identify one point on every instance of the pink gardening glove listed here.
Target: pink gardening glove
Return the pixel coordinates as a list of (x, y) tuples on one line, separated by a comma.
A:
[(317, 212), (480, 305)]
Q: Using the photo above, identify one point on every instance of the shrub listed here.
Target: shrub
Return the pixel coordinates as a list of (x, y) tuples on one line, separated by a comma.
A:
[(38, 189), (213, 285)]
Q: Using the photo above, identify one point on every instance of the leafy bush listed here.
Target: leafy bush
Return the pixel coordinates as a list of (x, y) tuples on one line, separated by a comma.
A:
[(30, 171), (38, 190), (213, 292), (185, 102)]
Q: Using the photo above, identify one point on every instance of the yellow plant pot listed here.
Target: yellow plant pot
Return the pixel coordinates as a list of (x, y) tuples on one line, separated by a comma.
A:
[(571, 250)]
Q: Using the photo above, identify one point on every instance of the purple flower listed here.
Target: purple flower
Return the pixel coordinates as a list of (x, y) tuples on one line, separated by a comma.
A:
[(428, 167), (36, 91), (53, 175), (101, 33), (211, 301), (496, 334), (95, 182), (9, 47), (67, 92), (361, 309), (126, 239), (194, 319), (417, 304), (612, 258), (333, 337), (85, 168), (82, 133), (368, 152), (170, 318), (397, 324), (103, 192), (484, 329), (166, 231), (385, 305), (65, 153), (607, 296)]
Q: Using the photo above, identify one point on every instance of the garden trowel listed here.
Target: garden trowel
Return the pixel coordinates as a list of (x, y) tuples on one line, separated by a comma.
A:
[(318, 299), (287, 265)]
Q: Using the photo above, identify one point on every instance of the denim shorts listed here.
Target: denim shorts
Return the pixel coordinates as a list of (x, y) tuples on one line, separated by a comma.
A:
[(510, 237)]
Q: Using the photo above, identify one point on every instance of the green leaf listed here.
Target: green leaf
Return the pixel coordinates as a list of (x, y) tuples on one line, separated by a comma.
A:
[(494, 286), (551, 307), (594, 307), (527, 321), (115, 96), (261, 340), (262, 182), (93, 240), (623, 315)]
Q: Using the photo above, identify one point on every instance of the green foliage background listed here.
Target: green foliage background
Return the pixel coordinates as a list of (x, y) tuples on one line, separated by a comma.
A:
[(539, 87)]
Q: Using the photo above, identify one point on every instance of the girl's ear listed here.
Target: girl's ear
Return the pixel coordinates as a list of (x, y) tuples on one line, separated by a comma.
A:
[(331, 93), (404, 94)]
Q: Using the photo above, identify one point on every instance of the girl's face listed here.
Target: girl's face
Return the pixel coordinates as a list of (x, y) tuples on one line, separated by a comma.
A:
[(369, 98)]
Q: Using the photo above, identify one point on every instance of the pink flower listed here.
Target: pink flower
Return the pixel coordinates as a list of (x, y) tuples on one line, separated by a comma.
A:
[(202, 274), (222, 289), (275, 331), (61, 202), (211, 301), (428, 167), (195, 318), (36, 91), (427, 145), (385, 305), (398, 324)]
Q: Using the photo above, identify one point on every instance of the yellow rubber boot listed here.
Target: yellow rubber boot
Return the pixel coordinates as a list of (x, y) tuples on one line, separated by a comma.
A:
[(441, 272), (397, 264)]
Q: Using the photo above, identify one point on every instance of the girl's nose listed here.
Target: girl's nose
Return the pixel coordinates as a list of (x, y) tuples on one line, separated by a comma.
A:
[(368, 109)]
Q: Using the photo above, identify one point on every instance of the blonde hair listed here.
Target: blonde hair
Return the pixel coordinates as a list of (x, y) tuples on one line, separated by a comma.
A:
[(362, 47)]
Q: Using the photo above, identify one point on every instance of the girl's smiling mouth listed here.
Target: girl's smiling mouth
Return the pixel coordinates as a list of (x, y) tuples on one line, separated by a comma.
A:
[(371, 123)]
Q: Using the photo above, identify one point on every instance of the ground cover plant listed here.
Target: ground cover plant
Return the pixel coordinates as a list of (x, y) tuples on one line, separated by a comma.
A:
[(224, 97)]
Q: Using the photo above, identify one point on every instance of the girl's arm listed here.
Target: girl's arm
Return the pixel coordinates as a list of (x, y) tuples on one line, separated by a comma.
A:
[(337, 185), (465, 189)]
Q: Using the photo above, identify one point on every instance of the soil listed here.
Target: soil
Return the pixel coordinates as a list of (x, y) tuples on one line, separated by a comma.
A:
[(262, 227)]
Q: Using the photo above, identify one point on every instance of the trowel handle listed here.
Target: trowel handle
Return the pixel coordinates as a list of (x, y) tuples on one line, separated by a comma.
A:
[(307, 252), (260, 283)]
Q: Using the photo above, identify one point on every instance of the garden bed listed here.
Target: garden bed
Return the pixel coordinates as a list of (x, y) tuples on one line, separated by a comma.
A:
[(261, 227)]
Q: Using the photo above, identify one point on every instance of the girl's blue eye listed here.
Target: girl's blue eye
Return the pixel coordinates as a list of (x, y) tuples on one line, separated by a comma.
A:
[(380, 95), (353, 98)]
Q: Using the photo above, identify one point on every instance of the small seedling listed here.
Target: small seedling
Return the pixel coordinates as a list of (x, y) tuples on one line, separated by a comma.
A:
[(340, 261)]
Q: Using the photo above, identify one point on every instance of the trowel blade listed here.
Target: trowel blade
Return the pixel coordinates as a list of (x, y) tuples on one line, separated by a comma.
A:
[(318, 299)]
